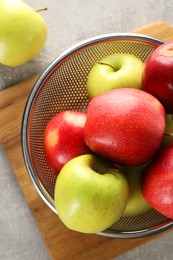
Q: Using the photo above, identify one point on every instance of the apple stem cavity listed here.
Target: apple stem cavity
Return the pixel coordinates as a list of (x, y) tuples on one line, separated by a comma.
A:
[(102, 166), (168, 52), (42, 9), (104, 63)]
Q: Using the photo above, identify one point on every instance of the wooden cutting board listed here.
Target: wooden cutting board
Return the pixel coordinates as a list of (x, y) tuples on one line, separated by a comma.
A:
[(61, 242)]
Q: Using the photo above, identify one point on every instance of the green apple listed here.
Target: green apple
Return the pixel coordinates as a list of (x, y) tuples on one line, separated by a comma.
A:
[(168, 136), (136, 204), (90, 196), (114, 71), (23, 33)]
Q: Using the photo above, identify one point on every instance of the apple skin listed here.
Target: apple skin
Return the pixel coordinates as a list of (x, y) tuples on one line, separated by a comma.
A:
[(23, 33), (168, 136), (115, 71), (157, 182), (157, 77), (125, 126), (136, 204), (90, 196), (63, 139)]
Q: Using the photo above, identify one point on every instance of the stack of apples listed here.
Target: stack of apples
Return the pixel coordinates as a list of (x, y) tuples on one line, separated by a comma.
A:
[(116, 159)]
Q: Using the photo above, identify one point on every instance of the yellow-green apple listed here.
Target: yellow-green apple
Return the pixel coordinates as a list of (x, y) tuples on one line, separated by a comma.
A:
[(125, 125), (157, 182), (23, 32), (168, 136), (114, 71), (157, 76), (136, 204), (90, 195), (63, 139)]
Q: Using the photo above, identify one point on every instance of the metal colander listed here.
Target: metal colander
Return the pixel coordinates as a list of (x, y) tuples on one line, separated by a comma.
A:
[(61, 87)]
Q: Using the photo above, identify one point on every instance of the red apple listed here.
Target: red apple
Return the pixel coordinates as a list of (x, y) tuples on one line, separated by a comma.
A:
[(125, 126), (63, 139), (157, 183), (157, 76)]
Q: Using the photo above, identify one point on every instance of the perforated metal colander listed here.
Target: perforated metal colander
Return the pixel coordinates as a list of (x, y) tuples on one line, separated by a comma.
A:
[(61, 87)]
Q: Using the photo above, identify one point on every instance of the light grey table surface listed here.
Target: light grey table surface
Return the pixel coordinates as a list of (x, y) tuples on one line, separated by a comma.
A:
[(69, 22)]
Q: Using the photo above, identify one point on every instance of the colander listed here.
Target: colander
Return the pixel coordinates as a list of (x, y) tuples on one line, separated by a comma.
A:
[(62, 86)]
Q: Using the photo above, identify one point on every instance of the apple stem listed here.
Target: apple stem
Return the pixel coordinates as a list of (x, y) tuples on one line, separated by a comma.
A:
[(168, 134), (103, 63), (42, 9)]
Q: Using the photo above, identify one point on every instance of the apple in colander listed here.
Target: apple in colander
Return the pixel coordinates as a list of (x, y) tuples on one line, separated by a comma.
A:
[(90, 194), (137, 204), (125, 125), (168, 136), (63, 139), (157, 182), (119, 70), (157, 77)]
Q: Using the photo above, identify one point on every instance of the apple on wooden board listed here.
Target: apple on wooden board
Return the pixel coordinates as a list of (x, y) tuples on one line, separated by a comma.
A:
[(90, 195), (125, 125), (63, 139), (157, 182), (168, 136), (23, 32), (121, 70), (157, 76), (136, 204)]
